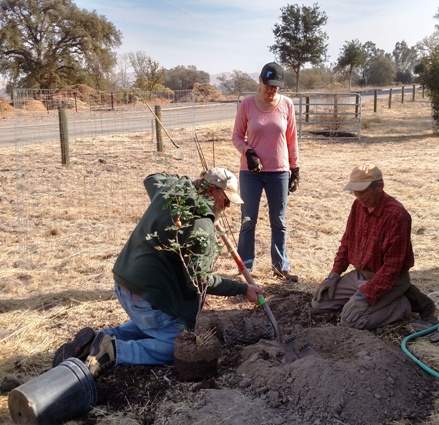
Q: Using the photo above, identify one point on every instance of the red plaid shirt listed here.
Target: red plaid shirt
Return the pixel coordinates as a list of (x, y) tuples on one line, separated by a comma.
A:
[(378, 242)]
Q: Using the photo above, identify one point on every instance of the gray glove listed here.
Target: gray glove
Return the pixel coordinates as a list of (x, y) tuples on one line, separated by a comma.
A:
[(328, 285), (354, 308)]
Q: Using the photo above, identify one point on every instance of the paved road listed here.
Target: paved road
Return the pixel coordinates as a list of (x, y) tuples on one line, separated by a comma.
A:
[(46, 127)]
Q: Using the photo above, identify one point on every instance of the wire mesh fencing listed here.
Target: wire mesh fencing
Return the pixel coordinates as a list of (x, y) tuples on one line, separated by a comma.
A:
[(111, 143)]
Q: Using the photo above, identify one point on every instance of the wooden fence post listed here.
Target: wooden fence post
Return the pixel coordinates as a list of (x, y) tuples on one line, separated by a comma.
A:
[(414, 92), (64, 137), (375, 100), (158, 128), (390, 98), (402, 94)]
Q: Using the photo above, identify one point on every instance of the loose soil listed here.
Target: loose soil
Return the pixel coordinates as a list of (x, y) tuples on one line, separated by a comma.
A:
[(342, 376)]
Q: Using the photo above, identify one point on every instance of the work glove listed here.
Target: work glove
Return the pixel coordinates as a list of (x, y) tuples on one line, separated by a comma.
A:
[(253, 162), (354, 308), (328, 285), (294, 179)]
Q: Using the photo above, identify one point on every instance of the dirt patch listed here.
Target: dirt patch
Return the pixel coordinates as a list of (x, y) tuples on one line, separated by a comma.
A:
[(342, 376)]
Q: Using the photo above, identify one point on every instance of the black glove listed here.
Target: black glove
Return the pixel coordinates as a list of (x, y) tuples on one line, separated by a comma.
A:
[(253, 162), (294, 179)]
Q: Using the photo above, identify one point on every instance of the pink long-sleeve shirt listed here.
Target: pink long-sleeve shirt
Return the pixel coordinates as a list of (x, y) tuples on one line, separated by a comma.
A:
[(272, 134)]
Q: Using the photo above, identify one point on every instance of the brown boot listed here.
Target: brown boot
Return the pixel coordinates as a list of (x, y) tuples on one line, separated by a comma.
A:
[(420, 303)]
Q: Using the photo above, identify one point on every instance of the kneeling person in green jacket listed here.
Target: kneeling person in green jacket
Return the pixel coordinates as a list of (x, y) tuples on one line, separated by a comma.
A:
[(159, 286)]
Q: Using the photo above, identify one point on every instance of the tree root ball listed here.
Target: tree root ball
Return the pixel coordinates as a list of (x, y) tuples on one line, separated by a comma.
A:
[(193, 361)]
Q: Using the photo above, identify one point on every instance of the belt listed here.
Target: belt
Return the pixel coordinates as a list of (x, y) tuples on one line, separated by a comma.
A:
[(126, 289)]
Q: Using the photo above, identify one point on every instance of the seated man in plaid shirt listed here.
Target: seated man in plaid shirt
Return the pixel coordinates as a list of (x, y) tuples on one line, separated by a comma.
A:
[(376, 242)]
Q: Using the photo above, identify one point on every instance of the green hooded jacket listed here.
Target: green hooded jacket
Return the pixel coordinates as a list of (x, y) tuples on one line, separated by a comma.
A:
[(158, 275)]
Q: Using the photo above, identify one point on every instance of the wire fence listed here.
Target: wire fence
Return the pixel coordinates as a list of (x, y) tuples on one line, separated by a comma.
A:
[(112, 146), (326, 116)]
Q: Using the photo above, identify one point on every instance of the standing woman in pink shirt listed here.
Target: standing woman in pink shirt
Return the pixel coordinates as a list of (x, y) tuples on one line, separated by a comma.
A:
[(266, 137)]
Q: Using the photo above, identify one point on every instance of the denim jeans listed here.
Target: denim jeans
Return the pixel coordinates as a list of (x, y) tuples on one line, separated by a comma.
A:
[(275, 185), (148, 337)]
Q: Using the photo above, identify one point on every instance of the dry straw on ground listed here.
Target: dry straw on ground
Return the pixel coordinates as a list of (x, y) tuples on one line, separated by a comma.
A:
[(57, 279)]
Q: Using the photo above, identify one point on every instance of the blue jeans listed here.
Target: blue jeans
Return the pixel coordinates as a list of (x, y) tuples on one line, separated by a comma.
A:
[(275, 185), (148, 337)]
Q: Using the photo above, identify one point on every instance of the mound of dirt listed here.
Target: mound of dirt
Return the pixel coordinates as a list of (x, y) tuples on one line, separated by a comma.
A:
[(319, 374), (206, 93), (83, 92), (6, 109)]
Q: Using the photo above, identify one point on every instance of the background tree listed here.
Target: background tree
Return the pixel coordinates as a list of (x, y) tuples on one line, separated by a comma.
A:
[(50, 43), (352, 56), (427, 45), (149, 76), (314, 78), (121, 75), (299, 38), (382, 71), (372, 53), (428, 70), (237, 82), (405, 58), (184, 78)]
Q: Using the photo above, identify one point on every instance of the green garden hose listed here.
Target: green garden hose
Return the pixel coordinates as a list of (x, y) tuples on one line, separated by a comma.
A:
[(411, 356)]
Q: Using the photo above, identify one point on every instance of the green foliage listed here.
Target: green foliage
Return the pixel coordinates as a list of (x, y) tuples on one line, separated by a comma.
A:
[(299, 38), (149, 74), (428, 71), (197, 250), (184, 78), (352, 56), (237, 82), (405, 59), (50, 43), (382, 71)]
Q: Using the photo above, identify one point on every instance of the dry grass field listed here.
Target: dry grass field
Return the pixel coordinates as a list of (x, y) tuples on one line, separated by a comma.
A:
[(61, 234)]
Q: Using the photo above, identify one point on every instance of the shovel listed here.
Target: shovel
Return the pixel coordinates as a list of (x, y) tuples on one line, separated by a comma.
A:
[(249, 279)]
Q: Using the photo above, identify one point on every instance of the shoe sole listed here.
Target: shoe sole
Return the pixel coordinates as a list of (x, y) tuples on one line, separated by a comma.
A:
[(96, 366), (292, 278), (79, 347)]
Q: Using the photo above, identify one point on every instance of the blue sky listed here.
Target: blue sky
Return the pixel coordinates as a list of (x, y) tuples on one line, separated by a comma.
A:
[(222, 36)]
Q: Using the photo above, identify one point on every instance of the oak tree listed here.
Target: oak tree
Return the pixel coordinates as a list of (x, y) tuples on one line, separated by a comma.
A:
[(299, 38), (184, 78), (49, 43)]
